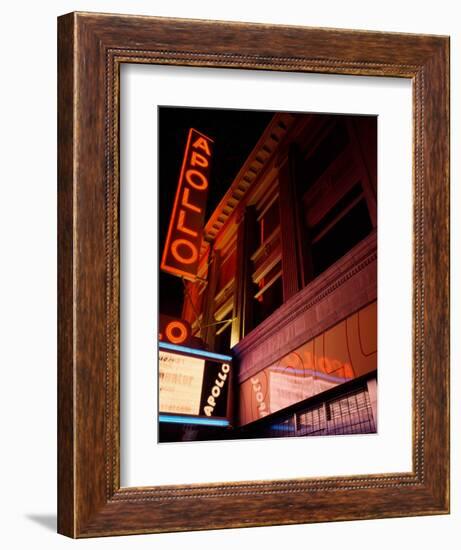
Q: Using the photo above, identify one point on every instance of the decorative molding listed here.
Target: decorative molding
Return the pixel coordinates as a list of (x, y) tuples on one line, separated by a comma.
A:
[(253, 167), (345, 287)]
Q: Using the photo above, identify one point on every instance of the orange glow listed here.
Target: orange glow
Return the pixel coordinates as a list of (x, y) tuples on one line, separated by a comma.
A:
[(183, 241), (182, 227), (326, 361), (187, 244), (176, 200), (185, 202), (198, 160), (176, 271), (201, 185), (171, 332), (202, 143)]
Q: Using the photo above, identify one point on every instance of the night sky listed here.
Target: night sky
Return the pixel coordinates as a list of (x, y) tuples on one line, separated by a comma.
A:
[(235, 133)]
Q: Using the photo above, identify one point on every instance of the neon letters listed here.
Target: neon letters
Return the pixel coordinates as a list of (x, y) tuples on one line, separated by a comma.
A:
[(182, 246), (175, 331), (216, 389)]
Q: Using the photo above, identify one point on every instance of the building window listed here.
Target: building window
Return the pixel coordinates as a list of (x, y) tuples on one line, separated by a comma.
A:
[(269, 221), (327, 150), (323, 210), (342, 227), (222, 342), (335, 214), (227, 269), (267, 287), (224, 299), (269, 294)]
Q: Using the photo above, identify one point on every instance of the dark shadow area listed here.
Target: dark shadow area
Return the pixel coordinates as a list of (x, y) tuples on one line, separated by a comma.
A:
[(48, 521)]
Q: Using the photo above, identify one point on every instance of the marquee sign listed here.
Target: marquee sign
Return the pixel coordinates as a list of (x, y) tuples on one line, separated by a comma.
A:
[(193, 382), (180, 383), (182, 246)]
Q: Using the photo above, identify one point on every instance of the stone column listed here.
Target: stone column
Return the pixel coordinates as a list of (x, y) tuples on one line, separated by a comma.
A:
[(243, 296), (208, 332), (297, 270)]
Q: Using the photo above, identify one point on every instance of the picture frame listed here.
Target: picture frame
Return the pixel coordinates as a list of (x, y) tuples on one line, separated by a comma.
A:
[(91, 49)]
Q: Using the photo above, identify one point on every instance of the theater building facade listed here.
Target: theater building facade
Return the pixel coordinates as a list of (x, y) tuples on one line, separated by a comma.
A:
[(287, 279)]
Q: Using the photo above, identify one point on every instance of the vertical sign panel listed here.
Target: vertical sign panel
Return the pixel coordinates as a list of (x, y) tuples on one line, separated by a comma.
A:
[(182, 246), (214, 401)]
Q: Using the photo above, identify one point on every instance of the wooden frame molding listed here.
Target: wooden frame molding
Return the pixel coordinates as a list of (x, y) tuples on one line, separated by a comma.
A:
[(91, 49)]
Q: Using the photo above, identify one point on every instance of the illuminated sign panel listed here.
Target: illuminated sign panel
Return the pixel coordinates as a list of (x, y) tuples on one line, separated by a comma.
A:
[(180, 383), (343, 352), (193, 382), (173, 330), (182, 246)]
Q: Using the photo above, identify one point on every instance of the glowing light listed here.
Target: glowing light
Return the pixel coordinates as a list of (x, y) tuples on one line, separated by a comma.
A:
[(185, 202), (176, 327), (194, 351), (182, 225), (192, 420), (283, 428), (190, 246), (196, 179), (184, 239)]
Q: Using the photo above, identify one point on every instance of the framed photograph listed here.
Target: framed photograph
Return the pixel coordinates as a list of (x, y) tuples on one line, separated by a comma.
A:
[(253, 275)]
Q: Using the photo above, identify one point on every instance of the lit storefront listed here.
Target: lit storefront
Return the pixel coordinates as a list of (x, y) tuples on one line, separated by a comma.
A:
[(287, 280)]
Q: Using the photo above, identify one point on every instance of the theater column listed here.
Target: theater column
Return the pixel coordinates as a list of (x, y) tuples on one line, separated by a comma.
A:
[(208, 330), (296, 268), (243, 296)]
